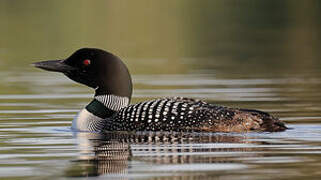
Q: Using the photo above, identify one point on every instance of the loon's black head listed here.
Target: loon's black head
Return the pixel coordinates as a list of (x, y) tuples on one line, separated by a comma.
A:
[(95, 68)]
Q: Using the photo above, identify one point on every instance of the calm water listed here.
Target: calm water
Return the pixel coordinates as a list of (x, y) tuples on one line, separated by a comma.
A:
[(263, 55)]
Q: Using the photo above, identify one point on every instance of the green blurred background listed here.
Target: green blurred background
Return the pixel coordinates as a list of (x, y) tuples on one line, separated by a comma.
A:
[(248, 31)]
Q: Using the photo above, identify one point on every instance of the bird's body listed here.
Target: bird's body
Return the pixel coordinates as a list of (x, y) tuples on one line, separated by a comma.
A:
[(184, 114), (110, 109)]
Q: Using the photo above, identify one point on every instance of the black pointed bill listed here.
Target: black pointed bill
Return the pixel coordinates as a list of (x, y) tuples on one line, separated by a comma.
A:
[(54, 65)]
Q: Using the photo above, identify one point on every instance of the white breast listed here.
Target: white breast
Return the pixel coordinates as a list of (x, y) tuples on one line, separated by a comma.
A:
[(86, 121)]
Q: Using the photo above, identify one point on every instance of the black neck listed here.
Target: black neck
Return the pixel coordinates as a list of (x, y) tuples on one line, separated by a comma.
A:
[(98, 109), (113, 78)]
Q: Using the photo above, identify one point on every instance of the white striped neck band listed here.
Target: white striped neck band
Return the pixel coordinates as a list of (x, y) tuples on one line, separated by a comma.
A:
[(113, 102)]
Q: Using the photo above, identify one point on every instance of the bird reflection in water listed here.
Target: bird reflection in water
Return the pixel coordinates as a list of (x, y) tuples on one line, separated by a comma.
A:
[(117, 153)]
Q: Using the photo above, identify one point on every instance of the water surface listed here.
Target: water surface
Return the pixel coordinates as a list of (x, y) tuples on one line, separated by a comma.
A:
[(37, 140)]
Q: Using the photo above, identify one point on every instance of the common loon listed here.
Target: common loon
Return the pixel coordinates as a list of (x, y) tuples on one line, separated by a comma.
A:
[(110, 109)]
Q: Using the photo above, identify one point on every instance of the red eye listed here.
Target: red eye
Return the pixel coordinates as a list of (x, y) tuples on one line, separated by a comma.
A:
[(86, 62)]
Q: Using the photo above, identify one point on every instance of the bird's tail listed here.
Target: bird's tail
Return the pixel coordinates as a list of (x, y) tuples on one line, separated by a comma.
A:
[(270, 123)]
